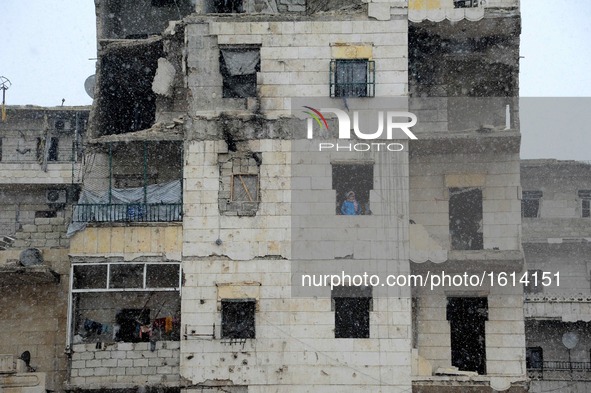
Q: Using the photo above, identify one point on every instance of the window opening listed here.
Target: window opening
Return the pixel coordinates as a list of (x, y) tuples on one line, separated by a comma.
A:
[(467, 317), (530, 204), (351, 311), (53, 151), (352, 78), (534, 357), (238, 318), (239, 67), (585, 196), (465, 218), (534, 282), (356, 179)]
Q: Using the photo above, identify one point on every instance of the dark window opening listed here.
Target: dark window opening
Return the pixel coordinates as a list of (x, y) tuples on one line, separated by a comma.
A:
[(90, 277), (534, 282), (163, 3), (126, 276), (530, 204), (162, 276), (467, 316), (239, 67), (465, 218), (227, 6), (352, 78), (534, 357), (355, 178), (238, 318), (129, 320), (585, 196), (53, 152), (125, 98), (46, 214), (351, 311), (466, 3)]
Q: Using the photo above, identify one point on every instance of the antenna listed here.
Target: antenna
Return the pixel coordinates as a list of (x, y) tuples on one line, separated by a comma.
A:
[(89, 85), (4, 85)]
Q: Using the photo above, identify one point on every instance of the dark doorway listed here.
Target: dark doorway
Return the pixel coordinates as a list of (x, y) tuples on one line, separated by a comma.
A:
[(467, 316)]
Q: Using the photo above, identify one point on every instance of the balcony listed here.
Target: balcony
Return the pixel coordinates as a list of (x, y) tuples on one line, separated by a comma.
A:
[(560, 371), (128, 212)]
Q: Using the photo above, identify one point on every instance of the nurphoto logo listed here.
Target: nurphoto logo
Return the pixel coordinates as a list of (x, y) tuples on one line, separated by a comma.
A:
[(392, 122)]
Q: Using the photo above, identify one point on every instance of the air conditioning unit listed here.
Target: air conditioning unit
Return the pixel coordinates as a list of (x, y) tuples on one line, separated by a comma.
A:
[(56, 196)]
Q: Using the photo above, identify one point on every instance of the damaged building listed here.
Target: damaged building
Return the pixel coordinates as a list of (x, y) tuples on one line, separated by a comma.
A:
[(203, 200), (556, 230), (40, 177)]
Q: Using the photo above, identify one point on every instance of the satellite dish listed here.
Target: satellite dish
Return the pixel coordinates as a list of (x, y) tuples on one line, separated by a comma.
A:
[(31, 257), (570, 340), (89, 85)]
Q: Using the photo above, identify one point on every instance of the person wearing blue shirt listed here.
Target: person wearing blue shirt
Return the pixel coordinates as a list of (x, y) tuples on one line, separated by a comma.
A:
[(350, 206)]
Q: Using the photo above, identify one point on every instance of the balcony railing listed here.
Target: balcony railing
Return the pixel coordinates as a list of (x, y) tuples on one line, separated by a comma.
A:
[(560, 371), (130, 212)]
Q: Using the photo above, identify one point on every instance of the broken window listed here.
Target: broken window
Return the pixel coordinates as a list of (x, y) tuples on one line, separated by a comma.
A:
[(534, 282), (585, 196), (534, 357), (465, 218), (351, 307), (466, 3), (238, 318), (239, 185), (227, 6), (530, 204), (352, 78), (125, 100), (356, 179), (129, 302), (239, 67), (163, 3), (467, 316)]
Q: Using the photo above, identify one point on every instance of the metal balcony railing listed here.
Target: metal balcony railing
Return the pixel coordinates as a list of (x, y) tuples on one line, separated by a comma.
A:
[(131, 212), (560, 370)]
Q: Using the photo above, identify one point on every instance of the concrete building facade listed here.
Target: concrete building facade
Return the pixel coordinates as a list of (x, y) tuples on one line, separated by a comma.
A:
[(555, 242), (40, 177), (205, 202)]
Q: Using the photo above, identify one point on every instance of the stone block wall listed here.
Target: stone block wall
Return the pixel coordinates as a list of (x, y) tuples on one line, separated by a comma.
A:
[(498, 176), (43, 233), (125, 365)]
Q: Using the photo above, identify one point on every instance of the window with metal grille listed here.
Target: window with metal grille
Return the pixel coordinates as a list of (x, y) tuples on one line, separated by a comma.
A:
[(352, 78), (530, 204), (585, 196), (238, 318)]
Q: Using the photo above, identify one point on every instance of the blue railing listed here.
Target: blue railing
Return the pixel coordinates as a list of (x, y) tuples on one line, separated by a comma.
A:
[(130, 212)]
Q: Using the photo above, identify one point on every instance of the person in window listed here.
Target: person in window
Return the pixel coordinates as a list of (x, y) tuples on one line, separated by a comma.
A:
[(350, 206)]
